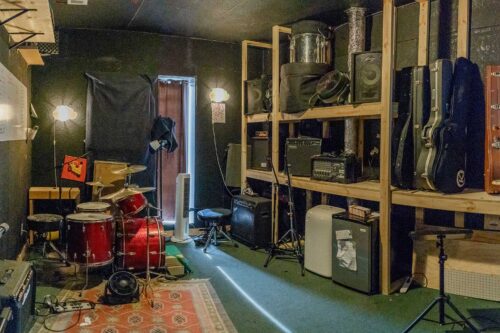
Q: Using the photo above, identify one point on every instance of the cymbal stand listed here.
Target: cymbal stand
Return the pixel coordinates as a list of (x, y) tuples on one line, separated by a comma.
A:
[(288, 246)]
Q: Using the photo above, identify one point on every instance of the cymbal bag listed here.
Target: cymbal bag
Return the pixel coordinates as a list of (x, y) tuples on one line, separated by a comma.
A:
[(298, 85)]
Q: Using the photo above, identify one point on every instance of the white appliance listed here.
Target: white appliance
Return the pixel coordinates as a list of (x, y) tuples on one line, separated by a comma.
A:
[(318, 254), (181, 231)]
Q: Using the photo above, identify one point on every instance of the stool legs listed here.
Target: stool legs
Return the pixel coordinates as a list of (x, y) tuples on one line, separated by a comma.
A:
[(212, 238)]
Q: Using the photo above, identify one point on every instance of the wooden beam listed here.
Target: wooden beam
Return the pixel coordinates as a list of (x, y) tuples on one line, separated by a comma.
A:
[(423, 32), (244, 121), (388, 28), (31, 55), (463, 35)]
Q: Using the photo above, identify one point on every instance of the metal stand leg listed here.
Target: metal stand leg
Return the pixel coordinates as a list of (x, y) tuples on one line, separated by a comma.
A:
[(209, 238), (56, 250)]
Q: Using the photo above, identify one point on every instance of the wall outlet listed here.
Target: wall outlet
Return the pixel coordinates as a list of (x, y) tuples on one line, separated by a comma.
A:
[(78, 2), (491, 222)]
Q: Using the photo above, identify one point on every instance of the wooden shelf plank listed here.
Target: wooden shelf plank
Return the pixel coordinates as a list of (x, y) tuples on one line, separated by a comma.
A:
[(339, 111), (258, 118), (31, 55), (260, 175)]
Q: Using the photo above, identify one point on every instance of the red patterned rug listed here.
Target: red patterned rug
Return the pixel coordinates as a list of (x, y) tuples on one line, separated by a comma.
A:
[(181, 306)]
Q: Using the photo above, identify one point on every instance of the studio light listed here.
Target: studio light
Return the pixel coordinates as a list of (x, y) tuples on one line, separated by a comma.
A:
[(64, 113), (218, 95)]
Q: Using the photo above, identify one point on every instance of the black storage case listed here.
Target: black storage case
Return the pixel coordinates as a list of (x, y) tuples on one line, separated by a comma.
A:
[(365, 239), (251, 220)]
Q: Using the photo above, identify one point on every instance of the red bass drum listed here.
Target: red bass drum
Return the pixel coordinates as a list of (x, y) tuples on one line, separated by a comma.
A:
[(131, 244)]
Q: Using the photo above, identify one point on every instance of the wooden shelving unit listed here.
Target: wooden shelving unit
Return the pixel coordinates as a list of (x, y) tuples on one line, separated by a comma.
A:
[(470, 201)]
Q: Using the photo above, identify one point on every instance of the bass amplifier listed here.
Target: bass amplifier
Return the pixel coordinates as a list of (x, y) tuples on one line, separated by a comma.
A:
[(328, 167), (299, 152), (251, 220), (17, 292)]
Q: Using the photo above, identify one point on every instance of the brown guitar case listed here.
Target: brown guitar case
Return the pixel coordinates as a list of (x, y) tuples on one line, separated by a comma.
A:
[(492, 142)]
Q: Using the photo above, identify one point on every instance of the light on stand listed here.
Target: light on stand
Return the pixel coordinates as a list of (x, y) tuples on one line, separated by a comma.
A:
[(64, 113)]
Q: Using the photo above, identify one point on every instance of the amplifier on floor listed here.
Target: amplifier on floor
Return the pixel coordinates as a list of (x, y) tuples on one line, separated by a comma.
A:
[(299, 152), (251, 220), (17, 293)]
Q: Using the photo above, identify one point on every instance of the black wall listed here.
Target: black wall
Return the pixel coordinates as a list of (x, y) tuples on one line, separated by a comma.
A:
[(15, 164), (61, 81)]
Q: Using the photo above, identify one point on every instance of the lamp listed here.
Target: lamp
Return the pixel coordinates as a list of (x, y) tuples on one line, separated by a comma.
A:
[(64, 113), (218, 95)]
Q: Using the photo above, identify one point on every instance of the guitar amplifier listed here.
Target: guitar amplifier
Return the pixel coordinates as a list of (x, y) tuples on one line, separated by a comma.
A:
[(17, 292), (251, 220), (299, 152), (259, 153), (340, 169)]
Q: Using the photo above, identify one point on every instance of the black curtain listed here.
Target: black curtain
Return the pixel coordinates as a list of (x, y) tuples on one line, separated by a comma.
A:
[(120, 114)]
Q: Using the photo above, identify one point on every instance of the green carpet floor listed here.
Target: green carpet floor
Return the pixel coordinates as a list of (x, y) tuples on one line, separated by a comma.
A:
[(279, 299)]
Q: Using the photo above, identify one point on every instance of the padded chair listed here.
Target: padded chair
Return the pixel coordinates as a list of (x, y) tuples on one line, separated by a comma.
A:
[(214, 218)]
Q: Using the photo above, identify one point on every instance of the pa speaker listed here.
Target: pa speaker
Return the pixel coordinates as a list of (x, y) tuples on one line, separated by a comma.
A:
[(366, 77), (258, 95)]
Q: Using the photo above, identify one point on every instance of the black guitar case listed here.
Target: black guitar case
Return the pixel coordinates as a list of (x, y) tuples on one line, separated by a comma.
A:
[(402, 139), (450, 163), (441, 74)]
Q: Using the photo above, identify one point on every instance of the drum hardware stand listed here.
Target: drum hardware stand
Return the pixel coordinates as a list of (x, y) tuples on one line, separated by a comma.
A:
[(87, 254), (442, 298), (282, 249)]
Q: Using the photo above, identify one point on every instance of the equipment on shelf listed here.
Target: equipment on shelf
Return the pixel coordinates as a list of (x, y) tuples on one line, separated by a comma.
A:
[(332, 168), (441, 73), (318, 255), (492, 148), (355, 252), (299, 152), (17, 295), (131, 243), (181, 231), (260, 153), (309, 42), (251, 221), (121, 288), (439, 234), (298, 85), (366, 77), (257, 98), (90, 239), (332, 88)]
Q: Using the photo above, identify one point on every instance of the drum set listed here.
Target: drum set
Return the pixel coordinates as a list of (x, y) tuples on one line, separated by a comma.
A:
[(110, 230)]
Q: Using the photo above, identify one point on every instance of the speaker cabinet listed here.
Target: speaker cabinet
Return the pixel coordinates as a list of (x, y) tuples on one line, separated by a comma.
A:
[(366, 77), (258, 95), (233, 164), (260, 152), (299, 152), (251, 220)]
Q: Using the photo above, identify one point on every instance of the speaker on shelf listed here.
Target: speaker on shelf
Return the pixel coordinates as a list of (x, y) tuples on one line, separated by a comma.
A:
[(258, 95), (366, 77), (260, 152)]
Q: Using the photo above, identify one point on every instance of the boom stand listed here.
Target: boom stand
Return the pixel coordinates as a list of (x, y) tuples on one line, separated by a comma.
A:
[(442, 298), (288, 246)]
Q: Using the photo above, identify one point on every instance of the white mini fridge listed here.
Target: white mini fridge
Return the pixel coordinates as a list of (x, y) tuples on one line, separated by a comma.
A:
[(318, 239)]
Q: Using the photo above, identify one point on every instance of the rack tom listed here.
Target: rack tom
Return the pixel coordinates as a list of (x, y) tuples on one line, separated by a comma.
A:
[(94, 207), (90, 239), (132, 204)]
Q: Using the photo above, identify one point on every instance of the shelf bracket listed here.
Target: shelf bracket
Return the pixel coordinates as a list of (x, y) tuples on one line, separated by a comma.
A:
[(29, 34), (20, 11)]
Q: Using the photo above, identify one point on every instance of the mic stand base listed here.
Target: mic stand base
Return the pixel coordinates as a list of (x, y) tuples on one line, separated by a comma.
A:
[(287, 248)]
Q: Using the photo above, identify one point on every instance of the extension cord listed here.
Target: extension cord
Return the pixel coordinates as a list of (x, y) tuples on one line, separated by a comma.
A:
[(71, 306)]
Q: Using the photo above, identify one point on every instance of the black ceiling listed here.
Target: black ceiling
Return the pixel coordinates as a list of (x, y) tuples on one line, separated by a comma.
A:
[(223, 20)]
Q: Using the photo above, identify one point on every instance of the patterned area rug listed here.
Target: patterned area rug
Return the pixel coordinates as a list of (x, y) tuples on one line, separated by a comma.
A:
[(181, 306)]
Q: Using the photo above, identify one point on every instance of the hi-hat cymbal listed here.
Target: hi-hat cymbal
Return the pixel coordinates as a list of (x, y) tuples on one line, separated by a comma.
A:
[(99, 184), (125, 192), (129, 170)]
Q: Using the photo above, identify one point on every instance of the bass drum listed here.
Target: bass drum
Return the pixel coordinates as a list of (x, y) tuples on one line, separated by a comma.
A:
[(131, 244), (90, 239)]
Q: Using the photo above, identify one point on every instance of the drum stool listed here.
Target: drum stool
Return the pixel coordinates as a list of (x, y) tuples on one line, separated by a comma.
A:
[(214, 219), (42, 225)]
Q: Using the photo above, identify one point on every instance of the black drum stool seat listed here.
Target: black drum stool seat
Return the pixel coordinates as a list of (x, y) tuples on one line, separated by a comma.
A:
[(42, 224), (214, 219)]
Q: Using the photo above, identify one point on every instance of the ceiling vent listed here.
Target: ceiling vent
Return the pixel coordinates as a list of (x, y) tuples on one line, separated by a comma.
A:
[(78, 2)]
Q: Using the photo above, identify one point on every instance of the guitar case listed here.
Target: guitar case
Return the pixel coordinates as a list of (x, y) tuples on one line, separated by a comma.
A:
[(441, 74), (450, 163), (492, 133)]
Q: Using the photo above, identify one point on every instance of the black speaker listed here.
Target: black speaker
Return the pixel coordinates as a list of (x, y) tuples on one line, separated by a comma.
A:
[(299, 152), (251, 220), (260, 153), (366, 77), (122, 288), (258, 95)]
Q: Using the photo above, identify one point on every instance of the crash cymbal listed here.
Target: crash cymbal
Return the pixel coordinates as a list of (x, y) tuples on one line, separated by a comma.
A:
[(125, 192), (99, 184), (129, 170)]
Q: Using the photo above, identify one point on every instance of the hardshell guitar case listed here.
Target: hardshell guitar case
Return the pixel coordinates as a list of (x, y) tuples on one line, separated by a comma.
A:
[(441, 74), (492, 142)]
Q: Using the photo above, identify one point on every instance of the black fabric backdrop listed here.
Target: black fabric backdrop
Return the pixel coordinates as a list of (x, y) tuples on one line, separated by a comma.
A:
[(120, 114)]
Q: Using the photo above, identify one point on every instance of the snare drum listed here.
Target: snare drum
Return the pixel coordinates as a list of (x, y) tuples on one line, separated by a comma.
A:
[(90, 239), (132, 204), (131, 247), (94, 207)]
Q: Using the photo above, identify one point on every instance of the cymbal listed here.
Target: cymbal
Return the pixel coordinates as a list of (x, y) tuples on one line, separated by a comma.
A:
[(125, 192), (99, 184), (130, 169)]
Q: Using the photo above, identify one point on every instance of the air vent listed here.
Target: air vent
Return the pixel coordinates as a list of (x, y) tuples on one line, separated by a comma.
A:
[(78, 2)]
